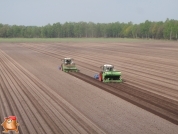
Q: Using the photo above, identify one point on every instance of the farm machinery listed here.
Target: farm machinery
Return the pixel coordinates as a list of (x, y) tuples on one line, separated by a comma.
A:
[(68, 65), (108, 74)]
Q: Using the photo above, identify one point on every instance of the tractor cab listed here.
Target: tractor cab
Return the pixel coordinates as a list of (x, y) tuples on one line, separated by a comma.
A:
[(68, 61), (107, 67)]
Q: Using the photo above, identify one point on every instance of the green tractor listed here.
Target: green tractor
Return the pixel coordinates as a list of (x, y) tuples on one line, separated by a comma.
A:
[(68, 65), (108, 74)]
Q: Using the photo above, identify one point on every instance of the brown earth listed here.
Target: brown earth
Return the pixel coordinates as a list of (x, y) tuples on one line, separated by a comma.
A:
[(46, 100)]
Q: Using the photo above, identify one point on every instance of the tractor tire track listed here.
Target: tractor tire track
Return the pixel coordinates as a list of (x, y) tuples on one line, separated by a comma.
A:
[(161, 106)]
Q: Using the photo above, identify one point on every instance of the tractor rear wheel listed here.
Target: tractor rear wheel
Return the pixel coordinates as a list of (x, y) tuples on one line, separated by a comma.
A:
[(100, 77)]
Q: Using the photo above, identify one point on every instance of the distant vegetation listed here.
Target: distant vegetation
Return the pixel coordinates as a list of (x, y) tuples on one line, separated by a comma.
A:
[(148, 29)]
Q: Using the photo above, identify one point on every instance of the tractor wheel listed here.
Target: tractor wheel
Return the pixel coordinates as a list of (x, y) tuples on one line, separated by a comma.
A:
[(100, 77)]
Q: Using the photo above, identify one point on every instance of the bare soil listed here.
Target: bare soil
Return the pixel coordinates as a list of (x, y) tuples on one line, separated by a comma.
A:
[(46, 100)]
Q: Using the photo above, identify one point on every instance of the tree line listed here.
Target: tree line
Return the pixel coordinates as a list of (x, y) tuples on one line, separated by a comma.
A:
[(148, 29)]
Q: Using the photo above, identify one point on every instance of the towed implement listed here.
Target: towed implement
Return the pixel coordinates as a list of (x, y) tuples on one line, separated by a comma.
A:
[(68, 65), (108, 74)]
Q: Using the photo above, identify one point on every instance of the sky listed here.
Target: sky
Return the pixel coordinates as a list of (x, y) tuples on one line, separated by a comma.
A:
[(43, 12)]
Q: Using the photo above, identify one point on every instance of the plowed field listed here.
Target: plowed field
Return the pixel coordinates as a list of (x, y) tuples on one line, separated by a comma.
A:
[(47, 100)]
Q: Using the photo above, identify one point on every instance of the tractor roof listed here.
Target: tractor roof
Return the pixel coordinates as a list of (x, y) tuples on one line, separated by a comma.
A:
[(108, 65), (67, 58)]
